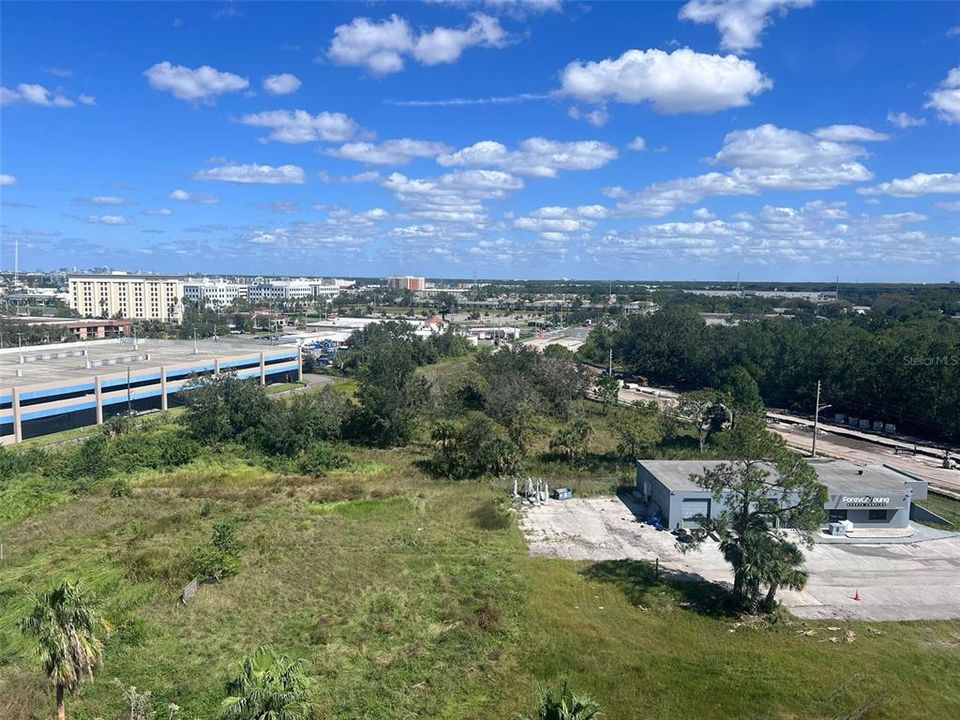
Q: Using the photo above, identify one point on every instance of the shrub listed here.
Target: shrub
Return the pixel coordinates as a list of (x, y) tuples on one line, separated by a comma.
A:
[(472, 448), (320, 458), (225, 539), (154, 450), (16, 462), (87, 463), (221, 557), (121, 488), (212, 565)]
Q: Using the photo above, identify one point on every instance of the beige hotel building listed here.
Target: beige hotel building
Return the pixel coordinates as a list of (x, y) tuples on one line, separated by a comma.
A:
[(138, 297)]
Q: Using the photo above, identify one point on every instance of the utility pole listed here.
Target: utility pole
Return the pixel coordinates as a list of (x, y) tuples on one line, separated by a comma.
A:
[(610, 363), (816, 421), (129, 404)]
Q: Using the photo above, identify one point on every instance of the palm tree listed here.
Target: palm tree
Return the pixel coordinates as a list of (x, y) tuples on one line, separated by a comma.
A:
[(784, 569), (571, 441), (445, 436), (63, 623), (561, 703), (267, 687)]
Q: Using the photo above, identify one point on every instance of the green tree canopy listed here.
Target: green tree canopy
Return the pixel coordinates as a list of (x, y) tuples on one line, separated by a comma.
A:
[(763, 488)]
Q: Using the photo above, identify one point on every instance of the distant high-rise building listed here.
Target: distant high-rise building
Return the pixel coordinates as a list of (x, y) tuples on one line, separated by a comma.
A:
[(407, 282)]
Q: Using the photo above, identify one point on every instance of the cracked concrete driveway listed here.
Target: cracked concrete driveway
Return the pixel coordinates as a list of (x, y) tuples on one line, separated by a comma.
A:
[(903, 581)]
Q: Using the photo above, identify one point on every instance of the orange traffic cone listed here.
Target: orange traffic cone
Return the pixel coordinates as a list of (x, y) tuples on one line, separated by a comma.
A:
[(856, 595)]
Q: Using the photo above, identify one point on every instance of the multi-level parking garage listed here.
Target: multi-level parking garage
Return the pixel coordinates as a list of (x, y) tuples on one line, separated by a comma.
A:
[(49, 388)]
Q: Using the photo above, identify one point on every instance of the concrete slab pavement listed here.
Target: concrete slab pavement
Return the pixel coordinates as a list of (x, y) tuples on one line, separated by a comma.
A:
[(902, 581)]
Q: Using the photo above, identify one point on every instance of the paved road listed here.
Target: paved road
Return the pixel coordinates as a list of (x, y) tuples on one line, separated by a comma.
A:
[(841, 443), (841, 431), (903, 581), (862, 451), (570, 338)]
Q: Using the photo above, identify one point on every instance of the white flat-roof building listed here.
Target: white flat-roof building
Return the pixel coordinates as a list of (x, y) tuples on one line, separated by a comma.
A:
[(293, 289), (139, 297), (216, 292), (865, 496), (273, 290)]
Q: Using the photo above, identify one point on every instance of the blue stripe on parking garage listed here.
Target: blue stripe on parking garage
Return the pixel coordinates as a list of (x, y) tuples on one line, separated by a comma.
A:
[(122, 382), (57, 411), (31, 394), (237, 363), (122, 399), (187, 372)]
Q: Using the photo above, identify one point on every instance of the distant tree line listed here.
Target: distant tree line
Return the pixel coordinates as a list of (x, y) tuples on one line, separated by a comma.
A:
[(873, 366)]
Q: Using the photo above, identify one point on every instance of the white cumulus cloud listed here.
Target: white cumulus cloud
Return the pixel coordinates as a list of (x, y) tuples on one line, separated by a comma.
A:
[(762, 158), (105, 200), (299, 126), (849, 133), (253, 174), (390, 152), (536, 156), (159, 212), (916, 185), (202, 84), (446, 45), (638, 144), (904, 120), (456, 197), (557, 223), (740, 22), (282, 84), (680, 81), (31, 94), (946, 98), (108, 220), (184, 196), (7, 180), (382, 46)]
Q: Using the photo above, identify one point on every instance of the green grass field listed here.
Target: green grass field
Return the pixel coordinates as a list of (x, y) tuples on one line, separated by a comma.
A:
[(413, 598), (946, 507)]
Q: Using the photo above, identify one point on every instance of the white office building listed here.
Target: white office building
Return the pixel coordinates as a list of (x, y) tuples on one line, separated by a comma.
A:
[(266, 291), (215, 292)]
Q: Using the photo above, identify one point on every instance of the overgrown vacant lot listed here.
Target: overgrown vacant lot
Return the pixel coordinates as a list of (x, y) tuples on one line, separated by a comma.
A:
[(412, 598)]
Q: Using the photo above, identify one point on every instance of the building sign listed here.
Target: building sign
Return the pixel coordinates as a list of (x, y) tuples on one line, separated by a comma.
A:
[(865, 501)]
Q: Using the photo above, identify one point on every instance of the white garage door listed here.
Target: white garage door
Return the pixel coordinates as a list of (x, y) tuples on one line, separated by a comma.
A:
[(693, 507)]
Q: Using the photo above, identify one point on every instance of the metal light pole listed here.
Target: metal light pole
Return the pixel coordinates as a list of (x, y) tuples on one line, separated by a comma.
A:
[(816, 421), (129, 403)]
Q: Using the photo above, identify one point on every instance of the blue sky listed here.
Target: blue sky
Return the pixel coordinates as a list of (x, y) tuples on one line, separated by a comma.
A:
[(775, 139)]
